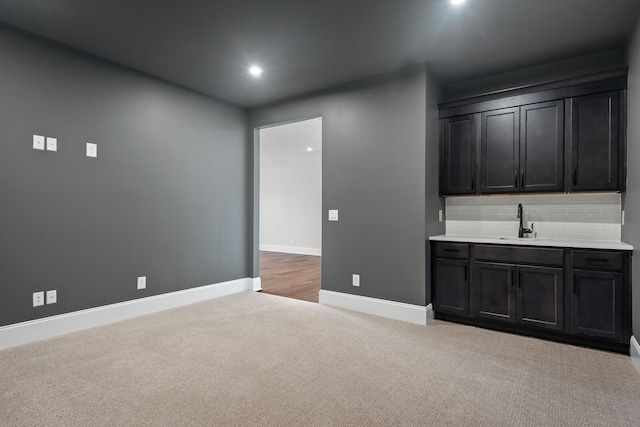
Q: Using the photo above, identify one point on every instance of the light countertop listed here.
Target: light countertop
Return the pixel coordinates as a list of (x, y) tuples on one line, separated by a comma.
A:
[(562, 243)]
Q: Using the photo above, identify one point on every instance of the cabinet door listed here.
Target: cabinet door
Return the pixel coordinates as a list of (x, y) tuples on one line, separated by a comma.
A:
[(494, 296), (500, 151), (458, 163), (542, 147), (539, 297), (595, 142), (452, 286), (596, 304)]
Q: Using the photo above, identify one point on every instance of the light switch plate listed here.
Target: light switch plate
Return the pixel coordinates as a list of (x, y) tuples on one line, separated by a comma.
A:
[(355, 280), (38, 142), (52, 144), (92, 150), (142, 282), (52, 297), (333, 214)]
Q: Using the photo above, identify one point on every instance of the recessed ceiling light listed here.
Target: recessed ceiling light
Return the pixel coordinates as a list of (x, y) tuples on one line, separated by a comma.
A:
[(309, 149), (456, 2), (255, 71)]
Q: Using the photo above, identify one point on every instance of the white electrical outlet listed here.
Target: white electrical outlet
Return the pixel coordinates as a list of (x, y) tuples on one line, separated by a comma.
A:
[(52, 297), (356, 280), (92, 150), (142, 282), (38, 299), (333, 214), (440, 215), (52, 144), (38, 142)]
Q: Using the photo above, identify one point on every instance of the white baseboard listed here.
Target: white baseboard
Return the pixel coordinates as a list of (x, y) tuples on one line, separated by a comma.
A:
[(257, 284), (291, 250), (48, 327), (378, 307), (634, 350)]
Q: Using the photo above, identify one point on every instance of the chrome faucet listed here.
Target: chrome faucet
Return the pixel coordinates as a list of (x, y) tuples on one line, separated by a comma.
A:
[(521, 229)]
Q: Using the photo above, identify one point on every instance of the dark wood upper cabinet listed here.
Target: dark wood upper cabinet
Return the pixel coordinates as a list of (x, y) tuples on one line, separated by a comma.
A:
[(458, 155), (500, 151), (542, 146), (595, 142), (548, 138)]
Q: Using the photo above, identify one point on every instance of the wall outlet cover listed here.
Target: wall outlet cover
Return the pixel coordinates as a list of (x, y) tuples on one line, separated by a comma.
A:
[(38, 142), (355, 280), (333, 214), (52, 144), (52, 297), (142, 282), (38, 299)]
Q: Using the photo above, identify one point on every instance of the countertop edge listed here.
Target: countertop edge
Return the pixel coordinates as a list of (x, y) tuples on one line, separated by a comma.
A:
[(581, 244)]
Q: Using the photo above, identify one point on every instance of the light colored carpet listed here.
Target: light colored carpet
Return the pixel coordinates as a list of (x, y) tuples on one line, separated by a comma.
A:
[(259, 360)]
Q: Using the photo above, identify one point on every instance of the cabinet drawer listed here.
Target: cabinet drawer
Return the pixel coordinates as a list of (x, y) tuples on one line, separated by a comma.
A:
[(597, 260), (520, 255), (452, 250)]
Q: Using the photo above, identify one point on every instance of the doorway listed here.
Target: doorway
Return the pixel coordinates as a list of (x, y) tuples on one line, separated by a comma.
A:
[(290, 209)]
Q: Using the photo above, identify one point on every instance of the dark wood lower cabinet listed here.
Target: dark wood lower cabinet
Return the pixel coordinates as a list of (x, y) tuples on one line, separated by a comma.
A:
[(452, 286), (580, 296), (494, 291), (527, 295), (539, 297), (596, 304)]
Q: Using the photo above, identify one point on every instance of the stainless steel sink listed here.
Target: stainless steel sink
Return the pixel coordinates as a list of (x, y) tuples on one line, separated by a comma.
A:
[(517, 238)]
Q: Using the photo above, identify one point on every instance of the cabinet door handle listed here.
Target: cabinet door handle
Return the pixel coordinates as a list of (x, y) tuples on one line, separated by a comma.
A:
[(451, 250), (516, 179), (473, 181), (511, 277), (522, 178), (575, 176), (575, 286), (466, 267)]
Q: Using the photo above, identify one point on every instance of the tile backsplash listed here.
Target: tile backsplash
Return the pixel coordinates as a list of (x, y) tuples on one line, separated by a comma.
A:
[(593, 216)]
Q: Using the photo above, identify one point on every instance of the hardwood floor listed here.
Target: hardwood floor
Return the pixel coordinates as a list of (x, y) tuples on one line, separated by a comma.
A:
[(290, 275)]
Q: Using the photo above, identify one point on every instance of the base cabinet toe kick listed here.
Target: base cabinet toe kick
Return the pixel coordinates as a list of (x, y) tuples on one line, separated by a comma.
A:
[(576, 296)]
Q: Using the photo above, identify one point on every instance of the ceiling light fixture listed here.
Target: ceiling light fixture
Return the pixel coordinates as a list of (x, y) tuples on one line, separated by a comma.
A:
[(457, 2), (255, 71), (309, 149)]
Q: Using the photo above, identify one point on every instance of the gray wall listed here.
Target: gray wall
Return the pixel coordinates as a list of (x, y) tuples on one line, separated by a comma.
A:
[(166, 197), (374, 137), (631, 200)]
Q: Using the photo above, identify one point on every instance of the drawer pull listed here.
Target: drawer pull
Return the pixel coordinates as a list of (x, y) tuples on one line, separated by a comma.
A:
[(600, 260), (451, 250)]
